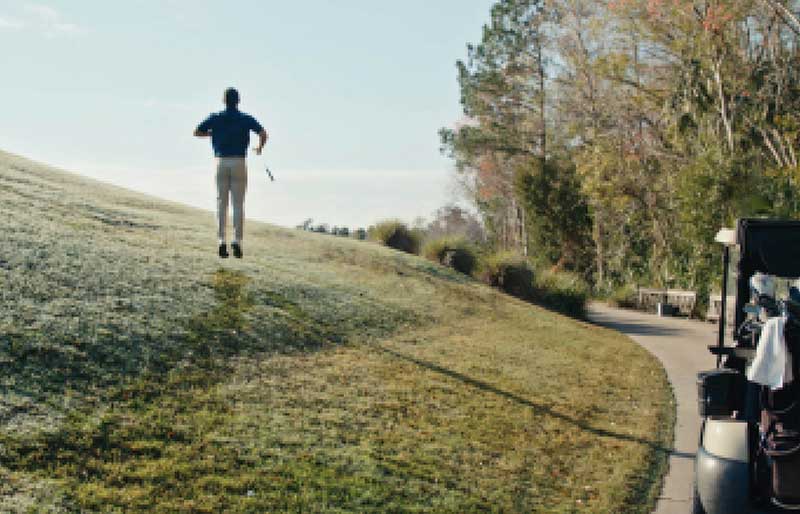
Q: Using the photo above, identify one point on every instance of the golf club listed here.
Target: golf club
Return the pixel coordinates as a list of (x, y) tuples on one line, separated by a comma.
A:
[(269, 173)]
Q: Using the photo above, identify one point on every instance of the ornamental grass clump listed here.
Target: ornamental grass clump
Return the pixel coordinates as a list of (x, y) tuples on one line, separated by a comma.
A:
[(456, 253), (624, 297), (509, 272), (395, 234), (562, 292)]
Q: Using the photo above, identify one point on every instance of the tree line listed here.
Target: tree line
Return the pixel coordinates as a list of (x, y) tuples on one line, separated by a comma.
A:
[(613, 139), (450, 221)]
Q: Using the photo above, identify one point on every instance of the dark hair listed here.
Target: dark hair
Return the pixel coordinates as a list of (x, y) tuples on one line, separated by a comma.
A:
[(231, 97)]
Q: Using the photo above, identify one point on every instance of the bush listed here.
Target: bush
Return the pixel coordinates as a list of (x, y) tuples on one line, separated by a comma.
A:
[(562, 292), (395, 234), (510, 272), (456, 253), (623, 296)]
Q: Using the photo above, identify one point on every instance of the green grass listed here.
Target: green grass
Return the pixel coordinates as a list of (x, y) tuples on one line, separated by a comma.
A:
[(141, 373)]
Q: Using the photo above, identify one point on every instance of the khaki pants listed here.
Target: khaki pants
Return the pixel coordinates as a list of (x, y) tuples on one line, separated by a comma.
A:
[(231, 180)]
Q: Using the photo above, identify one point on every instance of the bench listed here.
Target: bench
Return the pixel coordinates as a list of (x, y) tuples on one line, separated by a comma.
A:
[(680, 301), (648, 299), (715, 308), (684, 301)]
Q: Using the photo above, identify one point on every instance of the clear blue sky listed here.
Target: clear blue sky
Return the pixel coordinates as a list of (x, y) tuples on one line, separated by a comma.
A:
[(352, 93)]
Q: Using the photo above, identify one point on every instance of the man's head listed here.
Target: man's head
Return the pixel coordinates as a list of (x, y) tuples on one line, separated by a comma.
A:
[(231, 98)]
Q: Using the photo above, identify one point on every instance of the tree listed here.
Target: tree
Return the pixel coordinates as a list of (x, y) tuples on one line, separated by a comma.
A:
[(558, 213), (615, 138), (453, 220), (502, 93)]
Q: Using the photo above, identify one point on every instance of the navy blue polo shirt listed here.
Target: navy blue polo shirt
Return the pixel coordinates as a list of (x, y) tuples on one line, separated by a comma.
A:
[(230, 132)]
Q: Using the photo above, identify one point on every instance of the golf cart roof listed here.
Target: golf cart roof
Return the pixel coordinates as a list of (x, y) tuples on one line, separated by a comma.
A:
[(769, 246)]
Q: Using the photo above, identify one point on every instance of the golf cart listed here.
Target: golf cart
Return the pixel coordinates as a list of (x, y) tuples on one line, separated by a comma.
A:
[(748, 458)]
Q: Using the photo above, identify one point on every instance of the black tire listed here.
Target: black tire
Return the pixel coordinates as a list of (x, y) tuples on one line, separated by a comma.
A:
[(697, 506)]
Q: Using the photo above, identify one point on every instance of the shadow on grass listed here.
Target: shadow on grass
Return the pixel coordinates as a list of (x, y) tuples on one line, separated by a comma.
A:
[(40, 369), (642, 488), (191, 363), (485, 386)]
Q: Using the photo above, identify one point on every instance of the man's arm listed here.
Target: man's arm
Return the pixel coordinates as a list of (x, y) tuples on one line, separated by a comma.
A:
[(262, 140), (204, 129)]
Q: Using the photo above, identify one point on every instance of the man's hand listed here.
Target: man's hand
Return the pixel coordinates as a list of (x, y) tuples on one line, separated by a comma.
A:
[(200, 133), (263, 136)]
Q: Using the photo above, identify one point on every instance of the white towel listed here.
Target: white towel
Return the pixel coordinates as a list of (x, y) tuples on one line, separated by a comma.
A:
[(773, 364)]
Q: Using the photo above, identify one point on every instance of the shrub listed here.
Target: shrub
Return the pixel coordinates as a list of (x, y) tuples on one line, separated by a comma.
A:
[(562, 292), (623, 296), (456, 253), (510, 272), (395, 234)]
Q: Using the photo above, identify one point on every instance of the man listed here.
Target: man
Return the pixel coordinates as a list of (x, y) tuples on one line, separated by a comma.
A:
[(230, 137)]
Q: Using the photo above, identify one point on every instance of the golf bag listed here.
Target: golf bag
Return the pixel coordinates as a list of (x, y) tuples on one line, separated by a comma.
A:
[(780, 426)]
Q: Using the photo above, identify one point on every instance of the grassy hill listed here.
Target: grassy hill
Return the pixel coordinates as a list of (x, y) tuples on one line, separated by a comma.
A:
[(140, 372)]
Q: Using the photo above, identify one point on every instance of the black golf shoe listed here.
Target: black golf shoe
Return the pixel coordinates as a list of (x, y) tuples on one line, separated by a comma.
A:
[(223, 251), (237, 250)]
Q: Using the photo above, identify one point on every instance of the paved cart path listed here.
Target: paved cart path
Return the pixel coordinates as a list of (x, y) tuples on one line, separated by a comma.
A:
[(681, 346)]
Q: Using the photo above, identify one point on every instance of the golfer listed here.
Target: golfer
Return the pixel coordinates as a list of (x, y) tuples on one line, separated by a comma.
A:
[(230, 137)]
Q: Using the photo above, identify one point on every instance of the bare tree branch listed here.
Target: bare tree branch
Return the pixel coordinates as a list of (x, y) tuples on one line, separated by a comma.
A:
[(770, 146), (787, 16)]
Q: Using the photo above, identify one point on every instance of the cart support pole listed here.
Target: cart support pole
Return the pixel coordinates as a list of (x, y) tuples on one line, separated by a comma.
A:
[(726, 261)]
